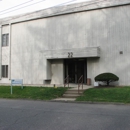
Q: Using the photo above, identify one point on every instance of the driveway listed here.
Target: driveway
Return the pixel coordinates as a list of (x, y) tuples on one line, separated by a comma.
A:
[(41, 115)]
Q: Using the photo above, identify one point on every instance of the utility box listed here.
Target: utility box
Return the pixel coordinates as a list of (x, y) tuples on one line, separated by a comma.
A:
[(88, 81), (96, 84)]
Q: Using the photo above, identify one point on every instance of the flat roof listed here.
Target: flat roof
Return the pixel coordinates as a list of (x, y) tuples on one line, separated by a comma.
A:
[(65, 9)]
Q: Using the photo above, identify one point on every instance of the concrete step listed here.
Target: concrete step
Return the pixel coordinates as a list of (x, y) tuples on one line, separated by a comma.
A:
[(64, 99), (74, 92), (71, 95)]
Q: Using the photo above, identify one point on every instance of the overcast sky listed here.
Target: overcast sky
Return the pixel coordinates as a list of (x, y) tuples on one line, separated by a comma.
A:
[(15, 7)]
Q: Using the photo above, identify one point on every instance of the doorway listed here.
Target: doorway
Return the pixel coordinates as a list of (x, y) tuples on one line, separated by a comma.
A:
[(75, 68)]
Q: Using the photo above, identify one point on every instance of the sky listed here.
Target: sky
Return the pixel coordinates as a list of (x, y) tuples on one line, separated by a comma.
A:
[(15, 7)]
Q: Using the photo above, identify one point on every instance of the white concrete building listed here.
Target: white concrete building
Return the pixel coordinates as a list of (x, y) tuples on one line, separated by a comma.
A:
[(86, 39)]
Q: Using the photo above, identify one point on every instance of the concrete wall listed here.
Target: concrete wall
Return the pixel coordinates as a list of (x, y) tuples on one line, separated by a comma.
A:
[(107, 28), (26, 60), (4, 53), (57, 72), (110, 30)]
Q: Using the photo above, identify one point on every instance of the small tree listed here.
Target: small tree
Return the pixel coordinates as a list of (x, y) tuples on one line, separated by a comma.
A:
[(106, 78)]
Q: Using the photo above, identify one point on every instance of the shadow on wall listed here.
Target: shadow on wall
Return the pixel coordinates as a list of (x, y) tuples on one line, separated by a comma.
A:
[(108, 28)]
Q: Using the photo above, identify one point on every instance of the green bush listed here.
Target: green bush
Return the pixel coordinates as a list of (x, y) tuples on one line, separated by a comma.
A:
[(106, 78)]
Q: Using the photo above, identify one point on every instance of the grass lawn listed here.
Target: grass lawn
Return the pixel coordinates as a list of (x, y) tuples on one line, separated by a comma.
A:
[(110, 94), (42, 93)]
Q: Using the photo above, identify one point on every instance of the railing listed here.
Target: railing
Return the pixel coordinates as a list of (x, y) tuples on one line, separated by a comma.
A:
[(80, 82), (66, 81)]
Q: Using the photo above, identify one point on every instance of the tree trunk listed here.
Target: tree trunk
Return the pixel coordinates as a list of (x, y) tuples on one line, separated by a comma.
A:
[(107, 83)]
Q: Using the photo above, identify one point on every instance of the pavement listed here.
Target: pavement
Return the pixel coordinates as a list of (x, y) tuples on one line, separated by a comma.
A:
[(41, 115)]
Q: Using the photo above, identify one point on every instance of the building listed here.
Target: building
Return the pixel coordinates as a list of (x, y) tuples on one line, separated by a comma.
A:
[(86, 39)]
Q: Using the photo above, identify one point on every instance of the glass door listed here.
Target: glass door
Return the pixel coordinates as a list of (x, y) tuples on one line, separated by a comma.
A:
[(75, 68)]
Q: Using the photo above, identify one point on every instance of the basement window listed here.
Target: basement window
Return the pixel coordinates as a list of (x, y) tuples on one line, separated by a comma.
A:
[(5, 39), (4, 71)]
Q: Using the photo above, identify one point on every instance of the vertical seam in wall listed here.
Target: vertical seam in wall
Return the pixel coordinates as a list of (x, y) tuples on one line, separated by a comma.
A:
[(9, 51)]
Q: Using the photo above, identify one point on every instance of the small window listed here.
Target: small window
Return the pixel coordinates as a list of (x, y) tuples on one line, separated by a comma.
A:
[(5, 39), (5, 71)]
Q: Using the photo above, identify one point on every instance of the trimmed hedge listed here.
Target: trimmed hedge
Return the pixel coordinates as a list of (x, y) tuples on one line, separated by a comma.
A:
[(106, 78)]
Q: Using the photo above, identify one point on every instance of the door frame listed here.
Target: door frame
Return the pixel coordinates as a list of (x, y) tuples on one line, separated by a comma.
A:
[(76, 61)]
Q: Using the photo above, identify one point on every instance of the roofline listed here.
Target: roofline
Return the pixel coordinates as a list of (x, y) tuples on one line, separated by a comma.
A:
[(68, 10)]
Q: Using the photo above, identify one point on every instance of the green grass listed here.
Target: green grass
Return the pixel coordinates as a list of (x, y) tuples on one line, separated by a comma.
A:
[(41, 93), (116, 94)]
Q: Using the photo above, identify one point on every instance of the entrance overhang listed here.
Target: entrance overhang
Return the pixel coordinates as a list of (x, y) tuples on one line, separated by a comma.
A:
[(72, 53)]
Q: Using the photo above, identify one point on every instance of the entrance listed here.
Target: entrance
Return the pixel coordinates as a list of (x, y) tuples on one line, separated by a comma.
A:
[(75, 68)]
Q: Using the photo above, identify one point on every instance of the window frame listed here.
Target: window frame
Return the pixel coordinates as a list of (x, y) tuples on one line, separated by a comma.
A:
[(5, 40), (4, 72)]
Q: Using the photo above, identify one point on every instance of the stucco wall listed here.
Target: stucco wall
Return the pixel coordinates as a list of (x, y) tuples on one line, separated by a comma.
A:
[(57, 72), (110, 29), (107, 28), (4, 53)]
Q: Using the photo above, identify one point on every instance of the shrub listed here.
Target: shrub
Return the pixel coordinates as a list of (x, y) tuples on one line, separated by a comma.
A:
[(106, 78)]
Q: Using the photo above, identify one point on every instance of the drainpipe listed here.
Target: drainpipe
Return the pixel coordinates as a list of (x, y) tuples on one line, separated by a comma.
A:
[(9, 52), (0, 49)]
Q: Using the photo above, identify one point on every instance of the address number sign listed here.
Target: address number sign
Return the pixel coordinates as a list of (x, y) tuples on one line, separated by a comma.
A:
[(70, 54)]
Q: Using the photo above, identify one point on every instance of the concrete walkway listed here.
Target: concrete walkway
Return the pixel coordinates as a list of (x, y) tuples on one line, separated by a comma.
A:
[(73, 89)]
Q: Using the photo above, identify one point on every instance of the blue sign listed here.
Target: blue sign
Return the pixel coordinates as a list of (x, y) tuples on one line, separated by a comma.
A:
[(16, 82)]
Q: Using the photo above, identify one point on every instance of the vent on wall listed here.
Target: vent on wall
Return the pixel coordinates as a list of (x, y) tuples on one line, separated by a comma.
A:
[(121, 52)]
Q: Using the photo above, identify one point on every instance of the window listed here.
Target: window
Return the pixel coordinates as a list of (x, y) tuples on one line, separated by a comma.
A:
[(5, 39), (5, 71)]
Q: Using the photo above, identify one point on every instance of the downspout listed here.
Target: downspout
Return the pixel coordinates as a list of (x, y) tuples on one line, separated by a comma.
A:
[(9, 52), (0, 50)]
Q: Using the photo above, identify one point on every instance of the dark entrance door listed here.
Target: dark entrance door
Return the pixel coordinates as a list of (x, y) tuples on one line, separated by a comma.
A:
[(75, 68)]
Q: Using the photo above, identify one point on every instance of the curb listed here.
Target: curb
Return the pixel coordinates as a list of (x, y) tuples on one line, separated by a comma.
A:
[(76, 102), (90, 102)]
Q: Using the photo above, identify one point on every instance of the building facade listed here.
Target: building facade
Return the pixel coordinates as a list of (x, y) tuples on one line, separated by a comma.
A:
[(86, 39)]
